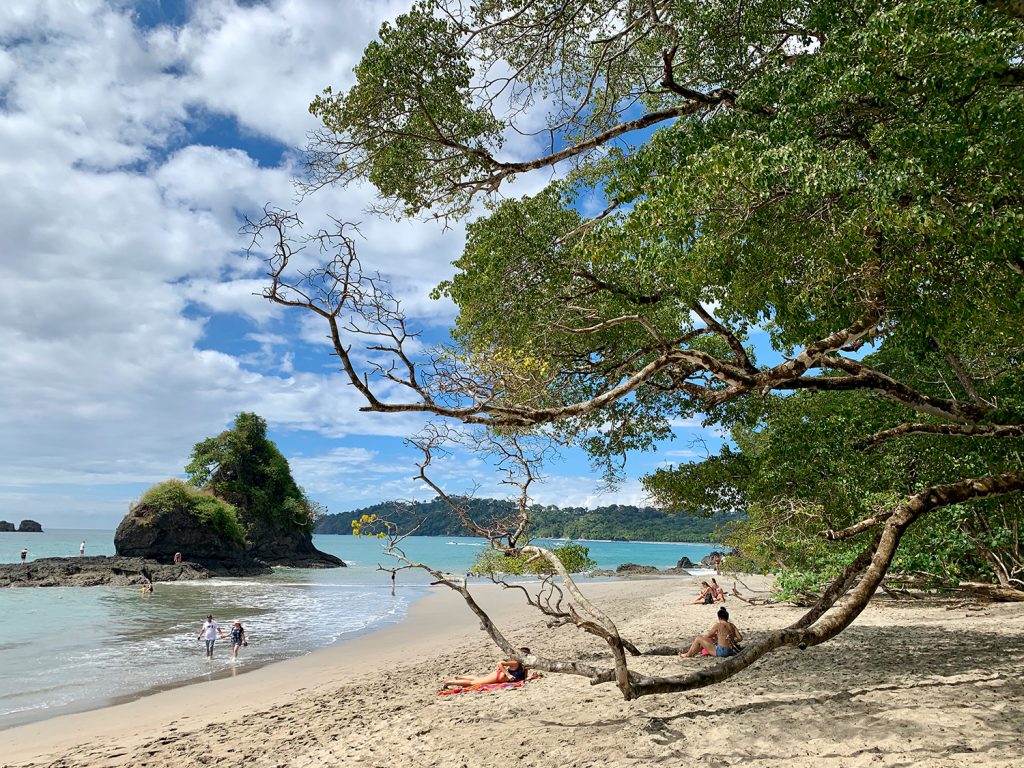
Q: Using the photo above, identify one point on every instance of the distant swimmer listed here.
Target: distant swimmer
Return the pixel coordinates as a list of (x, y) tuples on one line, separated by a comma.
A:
[(81, 549)]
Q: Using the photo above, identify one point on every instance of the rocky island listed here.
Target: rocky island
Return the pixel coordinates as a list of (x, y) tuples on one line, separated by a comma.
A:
[(26, 526), (240, 513)]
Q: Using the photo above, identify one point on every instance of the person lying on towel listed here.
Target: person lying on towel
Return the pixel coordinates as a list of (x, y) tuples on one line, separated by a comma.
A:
[(507, 671)]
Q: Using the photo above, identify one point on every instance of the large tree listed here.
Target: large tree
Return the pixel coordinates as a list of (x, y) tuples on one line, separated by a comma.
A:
[(841, 177), (244, 467)]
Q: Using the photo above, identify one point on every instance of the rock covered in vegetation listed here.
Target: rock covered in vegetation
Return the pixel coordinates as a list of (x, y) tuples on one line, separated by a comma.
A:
[(6, 527), (30, 526), (93, 571), (173, 517), (244, 468)]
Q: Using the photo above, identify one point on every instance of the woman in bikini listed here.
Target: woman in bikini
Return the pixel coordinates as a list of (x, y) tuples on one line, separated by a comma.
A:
[(507, 671), (706, 597), (717, 593), (723, 639)]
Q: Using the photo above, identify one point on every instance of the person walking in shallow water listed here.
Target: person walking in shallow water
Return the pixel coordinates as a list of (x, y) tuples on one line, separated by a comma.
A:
[(81, 549), (237, 639), (209, 633), (24, 553)]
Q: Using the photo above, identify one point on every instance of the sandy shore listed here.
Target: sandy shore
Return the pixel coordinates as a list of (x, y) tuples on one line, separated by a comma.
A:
[(913, 683)]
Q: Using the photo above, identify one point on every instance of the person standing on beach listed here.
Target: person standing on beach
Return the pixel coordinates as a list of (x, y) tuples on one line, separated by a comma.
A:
[(209, 633), (237, 639), (24, 553), (81, 549)]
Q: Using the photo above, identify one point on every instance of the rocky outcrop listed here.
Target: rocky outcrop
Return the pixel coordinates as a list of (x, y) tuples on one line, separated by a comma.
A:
[(681, 568), (293, 548), (93, 571), (6, 527), (632, 569), (158, 535), (30, 526), (712, 560)]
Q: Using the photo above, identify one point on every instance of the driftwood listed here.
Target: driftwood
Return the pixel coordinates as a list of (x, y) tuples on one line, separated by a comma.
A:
[(750, 600), (993, 592)]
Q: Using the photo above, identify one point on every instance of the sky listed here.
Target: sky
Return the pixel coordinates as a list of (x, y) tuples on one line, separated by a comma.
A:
[(134, 139)]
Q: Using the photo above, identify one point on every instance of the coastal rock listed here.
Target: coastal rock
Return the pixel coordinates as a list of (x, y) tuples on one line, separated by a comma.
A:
[(157, 534), (6, 527), (288, 547), (30, 526), (633, 569), (712, 559), (685, 562), (93, 571)]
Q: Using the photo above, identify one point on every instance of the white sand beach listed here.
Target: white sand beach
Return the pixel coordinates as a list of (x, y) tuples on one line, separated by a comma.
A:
[(911, 683)]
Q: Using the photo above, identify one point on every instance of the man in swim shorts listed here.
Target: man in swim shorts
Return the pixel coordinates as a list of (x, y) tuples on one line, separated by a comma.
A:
[(723, 639), (209, 633)]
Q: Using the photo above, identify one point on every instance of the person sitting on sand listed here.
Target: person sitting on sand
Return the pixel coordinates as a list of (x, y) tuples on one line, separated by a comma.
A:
[(706, 597), (723, 639), (507, 671), (717, 593)]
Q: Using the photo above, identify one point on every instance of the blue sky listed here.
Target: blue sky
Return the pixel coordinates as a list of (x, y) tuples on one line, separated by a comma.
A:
[(133, 137)]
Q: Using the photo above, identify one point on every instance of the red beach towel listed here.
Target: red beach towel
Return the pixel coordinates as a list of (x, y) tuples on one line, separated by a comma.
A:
[(476, 688)]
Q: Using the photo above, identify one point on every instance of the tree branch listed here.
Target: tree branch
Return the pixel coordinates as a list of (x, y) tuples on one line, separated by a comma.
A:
[(959, 430)]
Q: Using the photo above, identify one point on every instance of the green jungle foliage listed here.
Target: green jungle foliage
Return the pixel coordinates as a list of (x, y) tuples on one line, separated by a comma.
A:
[(802, 465), (203, 505), (574, 557), (242, 466), (839, 177), (618, 522)]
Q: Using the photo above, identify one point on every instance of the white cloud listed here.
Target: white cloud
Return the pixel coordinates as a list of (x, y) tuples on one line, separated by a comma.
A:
[(120, 252)]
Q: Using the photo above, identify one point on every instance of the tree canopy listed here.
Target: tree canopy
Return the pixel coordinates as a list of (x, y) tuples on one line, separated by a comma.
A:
[(243, 467), (842, 179)]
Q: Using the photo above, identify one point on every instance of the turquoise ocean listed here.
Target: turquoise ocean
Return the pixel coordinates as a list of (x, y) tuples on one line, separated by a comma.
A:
[(65, 649)]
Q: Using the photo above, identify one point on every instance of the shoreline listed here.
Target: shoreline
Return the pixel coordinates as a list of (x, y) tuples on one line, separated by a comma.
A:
[(216, 674), (434, 620), (899, 687)]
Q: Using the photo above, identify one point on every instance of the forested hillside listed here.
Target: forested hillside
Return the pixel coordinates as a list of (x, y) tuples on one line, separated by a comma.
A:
[(618, 521)]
